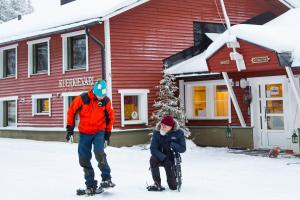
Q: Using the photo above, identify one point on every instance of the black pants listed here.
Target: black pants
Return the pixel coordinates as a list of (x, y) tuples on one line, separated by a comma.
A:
[(169, 168)]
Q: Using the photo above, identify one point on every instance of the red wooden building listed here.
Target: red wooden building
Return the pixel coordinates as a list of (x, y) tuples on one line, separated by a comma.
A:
[(251, 80), (48, 60)]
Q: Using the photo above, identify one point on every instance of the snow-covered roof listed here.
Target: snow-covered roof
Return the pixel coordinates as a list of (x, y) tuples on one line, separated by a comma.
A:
[(63, 17), (291, 3), (280, 35)]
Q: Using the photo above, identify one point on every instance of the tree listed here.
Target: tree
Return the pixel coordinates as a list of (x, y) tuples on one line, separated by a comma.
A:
[(168, 104), (10, 9)]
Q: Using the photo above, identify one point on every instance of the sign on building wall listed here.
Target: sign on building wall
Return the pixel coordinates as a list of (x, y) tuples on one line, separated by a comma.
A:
[(76, 82)]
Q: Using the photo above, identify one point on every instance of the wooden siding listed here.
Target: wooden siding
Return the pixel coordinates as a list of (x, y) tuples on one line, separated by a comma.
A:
[(248, 51), (24, 87), (142, 37)]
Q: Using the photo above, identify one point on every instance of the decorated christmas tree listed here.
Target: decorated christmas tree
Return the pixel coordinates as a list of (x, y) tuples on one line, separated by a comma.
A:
[(167, 103)]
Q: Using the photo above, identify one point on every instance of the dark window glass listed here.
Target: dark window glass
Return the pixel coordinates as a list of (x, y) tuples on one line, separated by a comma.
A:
[(9, 113), (9, 62), (42, 105), (77, 52), (40, 57)]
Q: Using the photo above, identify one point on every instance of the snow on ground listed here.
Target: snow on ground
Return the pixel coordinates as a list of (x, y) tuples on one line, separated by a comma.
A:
[(50, 171)]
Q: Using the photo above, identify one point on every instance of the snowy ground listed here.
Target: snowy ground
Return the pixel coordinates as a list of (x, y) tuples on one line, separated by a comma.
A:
[(33, 170)]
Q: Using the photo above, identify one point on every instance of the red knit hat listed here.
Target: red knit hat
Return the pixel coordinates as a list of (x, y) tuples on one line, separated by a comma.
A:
[(168, 120)]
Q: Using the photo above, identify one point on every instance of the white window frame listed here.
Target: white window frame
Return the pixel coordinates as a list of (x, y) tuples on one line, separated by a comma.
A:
[(65, 50), (2, 49), (65, 96), (210, 99), (34, 99), (10, 98), (143, 105), (30, 55)]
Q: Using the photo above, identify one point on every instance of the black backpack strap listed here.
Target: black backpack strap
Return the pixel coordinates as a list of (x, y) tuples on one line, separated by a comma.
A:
[(105, 102), (85, 98)]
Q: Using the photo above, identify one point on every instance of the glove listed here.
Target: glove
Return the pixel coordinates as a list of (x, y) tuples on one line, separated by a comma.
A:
[(107, 136), (167, 162), (70, 132)]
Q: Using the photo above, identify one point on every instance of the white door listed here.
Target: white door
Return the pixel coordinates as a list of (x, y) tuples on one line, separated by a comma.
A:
[(269, 112)]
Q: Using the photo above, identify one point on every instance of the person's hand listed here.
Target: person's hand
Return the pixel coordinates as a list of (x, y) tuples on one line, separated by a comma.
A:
[(107, 136), (70, 132)]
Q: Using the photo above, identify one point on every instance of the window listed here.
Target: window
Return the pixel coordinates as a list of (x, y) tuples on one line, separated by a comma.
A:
[(209, 100), (8, 112), (41, 104), (134, 106), (75, 51), (68, 98), (8, 61), (39, 57)]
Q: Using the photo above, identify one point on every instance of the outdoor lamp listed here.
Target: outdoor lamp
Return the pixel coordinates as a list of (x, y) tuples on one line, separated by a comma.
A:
[(243, 83), (294, 137)]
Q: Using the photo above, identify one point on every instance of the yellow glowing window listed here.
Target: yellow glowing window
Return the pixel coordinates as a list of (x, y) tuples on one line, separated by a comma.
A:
[(43, 105), (199, 101), (131, 107), (221, 101), (273, 90)]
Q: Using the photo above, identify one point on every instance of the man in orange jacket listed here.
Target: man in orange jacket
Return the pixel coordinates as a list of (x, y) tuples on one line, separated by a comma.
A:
[(95, 125)]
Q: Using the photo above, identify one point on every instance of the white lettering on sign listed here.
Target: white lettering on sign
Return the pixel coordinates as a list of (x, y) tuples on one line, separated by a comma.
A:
[(76, 82)]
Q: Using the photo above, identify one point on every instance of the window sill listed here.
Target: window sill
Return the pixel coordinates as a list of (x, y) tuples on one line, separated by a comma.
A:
[(133, 122), (78, 69), (40, 73), (8, 77), (41, 114)]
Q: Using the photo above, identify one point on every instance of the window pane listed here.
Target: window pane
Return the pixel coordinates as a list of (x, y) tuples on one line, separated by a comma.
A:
[(77, 52), (11, 113), (275, 123), (131, 108), (274, 106), (273, 90), (221, 101), (199, 101), (9, 57), (43, 105), (40, 57)]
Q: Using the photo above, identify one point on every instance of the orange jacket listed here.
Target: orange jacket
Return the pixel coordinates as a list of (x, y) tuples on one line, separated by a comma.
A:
[(92, 116)]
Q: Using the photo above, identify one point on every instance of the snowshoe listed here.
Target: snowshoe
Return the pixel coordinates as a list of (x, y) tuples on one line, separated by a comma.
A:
[(107, 184), (155, 188), (89, 191)]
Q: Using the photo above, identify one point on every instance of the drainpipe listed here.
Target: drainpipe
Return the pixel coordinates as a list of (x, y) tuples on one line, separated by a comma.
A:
[(233, 43), (233, 99), (101, 45)]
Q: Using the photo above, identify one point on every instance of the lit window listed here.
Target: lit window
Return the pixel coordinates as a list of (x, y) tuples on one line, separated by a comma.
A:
[(207, 100), (41, 104), (199, 100), (221, 101), (134, 106), (131, 107)]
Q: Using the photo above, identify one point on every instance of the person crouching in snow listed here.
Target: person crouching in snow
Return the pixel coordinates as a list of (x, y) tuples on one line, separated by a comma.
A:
[(95, 125), (167, 138)]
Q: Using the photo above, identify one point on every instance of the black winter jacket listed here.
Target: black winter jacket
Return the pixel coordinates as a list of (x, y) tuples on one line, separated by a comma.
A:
[(162, 146)]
